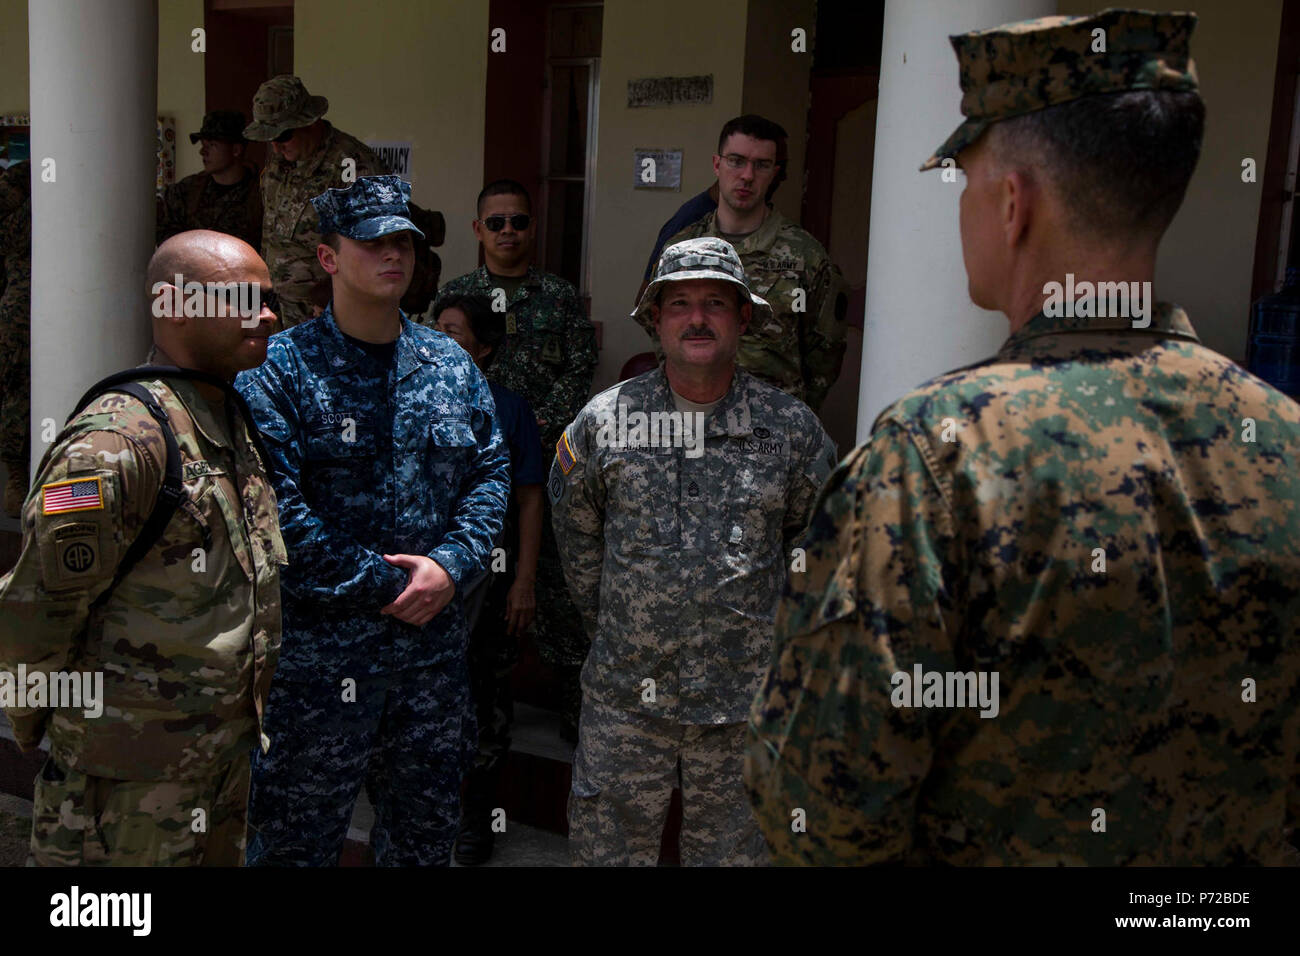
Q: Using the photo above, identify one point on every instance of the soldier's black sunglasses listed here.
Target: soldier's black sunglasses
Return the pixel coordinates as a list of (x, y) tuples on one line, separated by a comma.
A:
[(270, 299), (519, 221)]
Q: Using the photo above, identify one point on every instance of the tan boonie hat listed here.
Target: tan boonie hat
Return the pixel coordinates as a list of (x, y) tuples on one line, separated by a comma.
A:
[(1022, 67), (282, 103), (707, 257)]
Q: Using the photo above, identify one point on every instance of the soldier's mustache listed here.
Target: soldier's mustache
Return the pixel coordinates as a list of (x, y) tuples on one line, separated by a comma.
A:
[(699, 332)]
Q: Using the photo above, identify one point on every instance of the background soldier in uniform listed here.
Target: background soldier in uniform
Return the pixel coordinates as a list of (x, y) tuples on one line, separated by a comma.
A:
[(548, 357), (186, 642), (676, 556), (309, 158), (16, 331), (225, 196), (392, 478), (800, 347), (1112, 527)]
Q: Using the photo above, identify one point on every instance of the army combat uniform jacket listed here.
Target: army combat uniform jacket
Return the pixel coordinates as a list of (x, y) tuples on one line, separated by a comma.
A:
[(368, 461), (188, 641), (290, 227), (676, 562), (1109, 520), (199, 202), (801, 347)]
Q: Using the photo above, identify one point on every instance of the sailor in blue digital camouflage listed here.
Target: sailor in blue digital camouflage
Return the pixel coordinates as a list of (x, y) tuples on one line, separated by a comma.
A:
[(15, 330), (178, 623), (310, 156), (800, 347), (392, 479), (1051, 613), (679, 496), (548, 357)]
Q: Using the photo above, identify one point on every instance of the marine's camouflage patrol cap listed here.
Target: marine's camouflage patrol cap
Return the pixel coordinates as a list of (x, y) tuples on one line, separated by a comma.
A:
[(282, 103), (707, 257), (226, 126), (1022, 67), (371, 207)]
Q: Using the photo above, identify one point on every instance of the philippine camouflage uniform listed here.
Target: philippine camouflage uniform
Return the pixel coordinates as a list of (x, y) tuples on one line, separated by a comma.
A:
[(15, 317), (368, 460), (290, 226), (800, 347), (549, 357), (1107, 517), (199, 202), (186, 644), (676, 561)]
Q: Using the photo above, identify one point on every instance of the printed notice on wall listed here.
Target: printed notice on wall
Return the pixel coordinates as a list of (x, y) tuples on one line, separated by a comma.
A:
[(670, 91), (396, 156), (657, 169)]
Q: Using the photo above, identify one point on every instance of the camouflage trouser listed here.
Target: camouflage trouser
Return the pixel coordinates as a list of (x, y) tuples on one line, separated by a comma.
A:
[(624, 771), (78, 820), (15, 375), (492, 656), (407, 737)]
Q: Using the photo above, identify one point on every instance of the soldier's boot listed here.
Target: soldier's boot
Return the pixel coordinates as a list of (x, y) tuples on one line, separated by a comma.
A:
[(15, 488), (474, 837)]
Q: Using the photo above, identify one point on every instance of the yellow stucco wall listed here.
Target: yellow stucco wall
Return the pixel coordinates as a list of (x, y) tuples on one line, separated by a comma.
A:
[(180, 77), (641, 41), (409, 71), (1207, 257), (13, 56)]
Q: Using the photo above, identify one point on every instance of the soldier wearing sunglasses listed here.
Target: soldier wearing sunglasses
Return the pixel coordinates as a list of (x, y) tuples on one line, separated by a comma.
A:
[(549, 357)]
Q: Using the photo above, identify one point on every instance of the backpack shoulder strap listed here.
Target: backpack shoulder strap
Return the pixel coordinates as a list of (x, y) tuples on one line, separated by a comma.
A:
[(172, 490)]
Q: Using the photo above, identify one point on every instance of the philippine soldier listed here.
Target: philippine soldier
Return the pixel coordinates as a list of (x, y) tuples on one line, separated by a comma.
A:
[(311, 155), (224, 197), (1112, 529), (800, 347), (16, 331), (675, 539), (548, 357), (392, 479), (182, 637)]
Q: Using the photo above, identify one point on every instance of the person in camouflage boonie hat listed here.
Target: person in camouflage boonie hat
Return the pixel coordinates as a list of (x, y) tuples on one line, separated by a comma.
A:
[(704, 258), (1019, 68), (224, 126), (283, 103), (373, 206)]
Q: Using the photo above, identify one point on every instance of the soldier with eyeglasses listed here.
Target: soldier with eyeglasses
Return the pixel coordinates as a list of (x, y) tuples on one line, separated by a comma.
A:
[(549, 357), (799, 349)]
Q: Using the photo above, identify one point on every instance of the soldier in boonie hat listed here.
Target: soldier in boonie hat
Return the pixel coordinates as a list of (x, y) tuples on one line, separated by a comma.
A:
[(707, 257), (371, 207), (1022, 67), (283, 103), (222, 126)]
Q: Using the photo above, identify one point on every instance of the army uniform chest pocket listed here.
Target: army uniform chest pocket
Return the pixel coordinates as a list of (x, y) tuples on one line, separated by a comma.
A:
[(216, 506), (451, 448), (644, 498), (754, 509)]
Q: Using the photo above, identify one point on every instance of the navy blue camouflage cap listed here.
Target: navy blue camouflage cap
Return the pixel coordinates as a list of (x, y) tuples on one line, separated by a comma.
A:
[(371, 207), (705, 257)]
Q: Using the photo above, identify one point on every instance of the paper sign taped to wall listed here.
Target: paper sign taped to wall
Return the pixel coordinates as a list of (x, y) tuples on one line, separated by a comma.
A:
[(657, 169), (396, 156)]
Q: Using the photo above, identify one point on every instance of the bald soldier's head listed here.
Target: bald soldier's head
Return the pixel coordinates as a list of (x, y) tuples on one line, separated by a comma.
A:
[(207, 332)]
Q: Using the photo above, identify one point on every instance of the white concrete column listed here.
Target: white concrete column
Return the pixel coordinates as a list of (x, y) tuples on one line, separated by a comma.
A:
[(94, 91), (920, 321)]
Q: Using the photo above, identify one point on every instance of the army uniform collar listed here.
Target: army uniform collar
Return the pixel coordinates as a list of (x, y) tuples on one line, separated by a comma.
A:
[(340, 354), (532, 279), (730, 417), (760, 240), (201, 412), (1167, 321)]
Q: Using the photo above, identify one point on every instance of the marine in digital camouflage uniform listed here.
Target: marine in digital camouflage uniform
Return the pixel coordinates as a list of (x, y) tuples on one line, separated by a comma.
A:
[(388, 464), (15, 330), (308, 163), (1149, 706), (675, 555), (186, 643), (800, 348), (225, 195), (549, 357)]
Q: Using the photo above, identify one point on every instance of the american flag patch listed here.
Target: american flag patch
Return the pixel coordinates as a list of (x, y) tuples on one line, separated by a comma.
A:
[(564, 454), (77, 494)]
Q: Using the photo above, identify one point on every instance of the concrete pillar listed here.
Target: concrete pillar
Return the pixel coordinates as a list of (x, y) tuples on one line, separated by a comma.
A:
[(94, 89), (920, 321)]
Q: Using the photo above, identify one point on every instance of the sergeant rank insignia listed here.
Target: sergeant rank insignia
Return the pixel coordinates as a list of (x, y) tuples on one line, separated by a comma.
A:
[(77, 494)]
